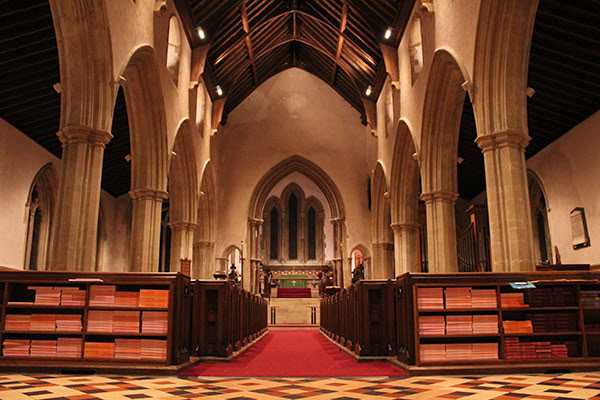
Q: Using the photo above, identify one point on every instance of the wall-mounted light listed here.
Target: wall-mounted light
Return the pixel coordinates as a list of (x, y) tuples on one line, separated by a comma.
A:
[(200, 32), (219, 90), (388, 33), (368, 91)]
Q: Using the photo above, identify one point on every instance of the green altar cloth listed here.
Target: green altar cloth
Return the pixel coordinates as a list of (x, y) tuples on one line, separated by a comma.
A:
[(293, 281)]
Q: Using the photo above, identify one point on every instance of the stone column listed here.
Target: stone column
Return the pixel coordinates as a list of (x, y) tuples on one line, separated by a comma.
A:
[(406, 248), (441, 231), (511, 234), (145, 229), (383, 260), (343, 275), (76, 218), (203, 265), (182, 243)]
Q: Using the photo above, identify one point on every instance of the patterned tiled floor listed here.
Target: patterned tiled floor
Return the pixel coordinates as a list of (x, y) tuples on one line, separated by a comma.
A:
[(499, 387)]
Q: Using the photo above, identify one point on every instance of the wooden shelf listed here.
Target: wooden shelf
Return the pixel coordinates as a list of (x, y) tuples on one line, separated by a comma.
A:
[(540, 334), (553, 308), (43, 307), (475, 335), (140, 335), (459, 311), (30, 332), (118, 308)]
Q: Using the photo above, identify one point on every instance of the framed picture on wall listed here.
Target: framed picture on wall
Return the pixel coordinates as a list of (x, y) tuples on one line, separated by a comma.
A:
[(579, 231)]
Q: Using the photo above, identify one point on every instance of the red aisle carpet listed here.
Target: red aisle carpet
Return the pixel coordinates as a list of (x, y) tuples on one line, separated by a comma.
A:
[(294, 352)]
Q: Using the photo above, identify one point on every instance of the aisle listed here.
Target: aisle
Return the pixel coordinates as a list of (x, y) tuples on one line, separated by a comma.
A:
[(292, 353)]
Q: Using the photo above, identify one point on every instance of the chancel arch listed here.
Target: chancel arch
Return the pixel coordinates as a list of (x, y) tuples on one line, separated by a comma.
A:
[(40, 205), (404, 195), (381, 227), (330, 202)]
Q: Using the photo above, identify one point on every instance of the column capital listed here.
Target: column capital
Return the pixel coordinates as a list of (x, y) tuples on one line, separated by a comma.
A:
[(182, 225), (255, 221), (338, 220), (148, 194), (203, 244), (404, 227), (507, 138), (72, 134), (439, 195)]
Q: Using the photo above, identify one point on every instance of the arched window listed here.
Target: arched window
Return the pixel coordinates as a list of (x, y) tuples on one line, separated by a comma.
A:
[(539, 215), (312, 233), (40, 204), (200, 104), (293, 227), (274, 234), (357, 258), (174, 48)]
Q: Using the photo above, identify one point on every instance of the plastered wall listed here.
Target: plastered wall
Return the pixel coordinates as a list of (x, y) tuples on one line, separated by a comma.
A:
[(20, 160), (569, 169), (293, 113)]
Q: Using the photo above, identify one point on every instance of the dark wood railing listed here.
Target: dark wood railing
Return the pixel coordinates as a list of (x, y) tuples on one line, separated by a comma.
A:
[(225, 318), (361, 318)]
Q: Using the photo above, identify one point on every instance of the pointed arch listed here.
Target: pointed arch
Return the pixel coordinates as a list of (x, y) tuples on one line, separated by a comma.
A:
[(183, 177), (500, 76), (381, 221), (405, 187), (86, 72), (444, 100), (314, 224), (204, 237), (40, 204), (147, 120), (539, 215), (405, 179)]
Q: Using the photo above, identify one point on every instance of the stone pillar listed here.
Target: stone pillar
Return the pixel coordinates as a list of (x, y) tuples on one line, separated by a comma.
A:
[(441, 231), (145, 229), (406, 248), (182, 243), (383, 260), (203, 265), (511, 234), (76, 218), (343, 275)]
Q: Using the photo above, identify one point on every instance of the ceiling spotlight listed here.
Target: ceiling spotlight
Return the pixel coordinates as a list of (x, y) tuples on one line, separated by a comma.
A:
[(368, 91), (387, 34), (219, 90), (201, 33)]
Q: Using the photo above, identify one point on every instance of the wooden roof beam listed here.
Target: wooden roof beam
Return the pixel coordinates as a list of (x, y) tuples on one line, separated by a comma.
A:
[(248, 41), (340, 43)]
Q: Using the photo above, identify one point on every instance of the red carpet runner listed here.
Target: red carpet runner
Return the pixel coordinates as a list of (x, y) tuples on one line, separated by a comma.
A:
[(294, 352)]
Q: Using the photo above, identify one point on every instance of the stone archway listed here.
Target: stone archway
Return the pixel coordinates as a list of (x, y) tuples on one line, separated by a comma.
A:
[(204, 237), (444, 99), (500, 104), (258, 202), (183, 191), (149, 152), (382, 266), (404, 193), (87, 95)]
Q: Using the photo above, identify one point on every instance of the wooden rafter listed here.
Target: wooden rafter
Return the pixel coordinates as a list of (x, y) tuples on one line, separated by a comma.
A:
[(340, 43), (248, 41)]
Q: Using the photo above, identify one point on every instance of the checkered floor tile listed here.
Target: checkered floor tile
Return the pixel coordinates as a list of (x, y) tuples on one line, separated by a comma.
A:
[(499, 387)]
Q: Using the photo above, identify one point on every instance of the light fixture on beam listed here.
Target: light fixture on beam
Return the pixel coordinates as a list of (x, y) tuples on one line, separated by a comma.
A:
[(219, 91), (200, 32), (388, 33), (368, 91)]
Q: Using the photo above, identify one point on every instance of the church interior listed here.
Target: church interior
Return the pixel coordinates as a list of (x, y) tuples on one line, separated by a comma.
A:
[(328, 199)]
